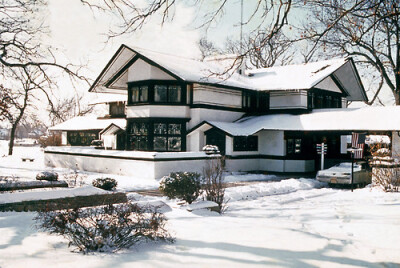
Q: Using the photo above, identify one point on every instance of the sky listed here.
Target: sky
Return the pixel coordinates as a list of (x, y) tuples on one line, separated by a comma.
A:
[(78, 33)]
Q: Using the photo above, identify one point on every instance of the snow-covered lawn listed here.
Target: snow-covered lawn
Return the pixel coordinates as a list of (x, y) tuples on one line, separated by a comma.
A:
[(288, 223)]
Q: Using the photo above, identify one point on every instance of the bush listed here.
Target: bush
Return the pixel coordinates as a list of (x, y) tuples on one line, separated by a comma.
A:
[(107, 184), (387, 178), (213, 182), (47, 176), (107, 228), (182, 185)]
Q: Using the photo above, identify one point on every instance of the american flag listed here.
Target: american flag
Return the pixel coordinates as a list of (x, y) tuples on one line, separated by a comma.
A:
[(357, 141)]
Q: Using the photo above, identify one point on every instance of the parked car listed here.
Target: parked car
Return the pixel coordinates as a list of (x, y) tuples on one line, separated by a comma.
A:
[(341, 174), (97, 144)]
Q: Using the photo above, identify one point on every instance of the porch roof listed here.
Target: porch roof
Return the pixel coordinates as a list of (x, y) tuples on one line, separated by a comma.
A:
[(351, 119), (82, 123)]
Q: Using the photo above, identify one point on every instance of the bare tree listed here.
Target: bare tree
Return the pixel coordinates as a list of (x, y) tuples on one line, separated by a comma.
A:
[(26, 64), (14, 101), (270, 17), (67, 108), (369, 30)]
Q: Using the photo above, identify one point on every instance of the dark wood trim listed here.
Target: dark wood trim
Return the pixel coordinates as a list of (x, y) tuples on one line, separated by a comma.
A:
[(216, 107), (149, 61), (339, 85), (122, 71), (359, 79), (150, 91), (107, 66), (128, 157)]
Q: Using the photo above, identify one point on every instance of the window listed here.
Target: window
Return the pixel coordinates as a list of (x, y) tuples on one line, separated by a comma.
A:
[(117, 109), (323, 99), (245, 143), (81, 138), (167, 93), (139, 94), (255, 101), (156, 136), (138, 136), (167, 137), (293, 146)]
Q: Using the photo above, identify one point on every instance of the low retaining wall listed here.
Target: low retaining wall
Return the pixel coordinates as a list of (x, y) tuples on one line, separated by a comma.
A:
[(143, 165), (31, 185), (65, 203), (155, 165)]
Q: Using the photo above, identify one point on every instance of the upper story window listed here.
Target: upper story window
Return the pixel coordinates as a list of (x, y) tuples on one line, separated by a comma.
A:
[(319, 100), (253, 101), (167, 93), (117, 109), (156, 92), (140, 94)]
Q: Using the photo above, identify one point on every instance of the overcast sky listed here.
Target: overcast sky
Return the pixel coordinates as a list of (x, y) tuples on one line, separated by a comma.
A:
[(79, 33)]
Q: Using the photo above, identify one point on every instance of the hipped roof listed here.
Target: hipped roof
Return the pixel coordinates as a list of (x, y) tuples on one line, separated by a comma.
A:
[(301, 76)]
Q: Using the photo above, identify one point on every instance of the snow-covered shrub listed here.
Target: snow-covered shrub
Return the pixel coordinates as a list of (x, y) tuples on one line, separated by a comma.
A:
[(107, 184), (211, 149), (106, 228), (47, 176), (74, 179), (182, 185), (213, 182), (387, 178)]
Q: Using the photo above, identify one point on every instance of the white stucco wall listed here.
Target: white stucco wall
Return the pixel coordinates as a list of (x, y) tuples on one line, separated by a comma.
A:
[(110, 141), (196, 140), (141, 70), (233, 165), (299, 166), (272, 165), (271, 142), (143, 165), (64, 140), (173, 111), (217, 96), (288, 100)]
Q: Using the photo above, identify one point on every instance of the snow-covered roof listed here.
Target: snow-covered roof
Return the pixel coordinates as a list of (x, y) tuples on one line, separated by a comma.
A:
[(99, 98), (302, 76), (193, 70), (88, 123), (356, 119)]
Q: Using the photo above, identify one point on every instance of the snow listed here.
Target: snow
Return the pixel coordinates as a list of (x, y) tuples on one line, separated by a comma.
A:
[(301, 76), (89, 122), (350, 119), (268, 223), (47, 195)]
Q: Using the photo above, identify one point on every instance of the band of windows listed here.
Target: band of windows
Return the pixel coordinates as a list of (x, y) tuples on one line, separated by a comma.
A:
[(156, 136), (156, 92), (245, 143)]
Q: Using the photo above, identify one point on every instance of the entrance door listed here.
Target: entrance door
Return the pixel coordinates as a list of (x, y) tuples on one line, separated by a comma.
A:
[(217, 138)]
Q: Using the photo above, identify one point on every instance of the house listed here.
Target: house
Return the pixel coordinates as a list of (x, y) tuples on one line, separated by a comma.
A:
[(165, 108)]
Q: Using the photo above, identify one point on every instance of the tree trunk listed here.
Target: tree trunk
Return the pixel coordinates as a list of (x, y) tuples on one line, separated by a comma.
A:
[(12, 137)]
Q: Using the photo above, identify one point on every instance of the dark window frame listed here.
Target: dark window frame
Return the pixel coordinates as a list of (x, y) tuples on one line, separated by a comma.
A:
[(82, 138), (120, 106), (152, 136), (255, 101), (151, 84), (322, 99), (245, 143)]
